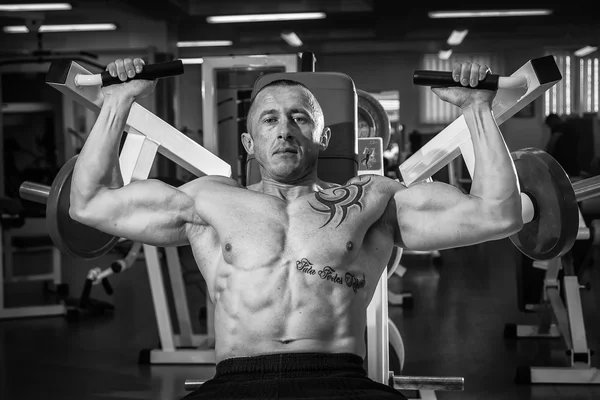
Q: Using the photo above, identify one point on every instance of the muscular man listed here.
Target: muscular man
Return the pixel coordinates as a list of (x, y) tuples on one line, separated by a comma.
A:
[(292, 262)]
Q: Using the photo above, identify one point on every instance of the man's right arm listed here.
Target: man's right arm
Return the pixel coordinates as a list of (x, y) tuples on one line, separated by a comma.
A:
[(149, 211)]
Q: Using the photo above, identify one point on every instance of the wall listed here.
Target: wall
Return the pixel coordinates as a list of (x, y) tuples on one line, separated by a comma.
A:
[(189, 98), (394, 72), (380, 72)]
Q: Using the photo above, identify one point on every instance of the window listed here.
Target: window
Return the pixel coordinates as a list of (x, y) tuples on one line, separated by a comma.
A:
[(558, 99), (578, 91), (435, 111)]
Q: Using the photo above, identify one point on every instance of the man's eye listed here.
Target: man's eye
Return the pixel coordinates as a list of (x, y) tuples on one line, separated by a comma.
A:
[(270, 120), (301, 120)]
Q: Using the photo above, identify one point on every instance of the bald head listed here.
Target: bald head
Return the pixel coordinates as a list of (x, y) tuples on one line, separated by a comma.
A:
[(313, 105)]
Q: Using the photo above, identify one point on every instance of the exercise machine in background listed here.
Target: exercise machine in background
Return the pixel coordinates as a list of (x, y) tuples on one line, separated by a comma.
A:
[(553, 295)]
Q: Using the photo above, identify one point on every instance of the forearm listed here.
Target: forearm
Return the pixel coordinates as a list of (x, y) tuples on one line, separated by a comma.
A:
[(97, 166), (494, 176)]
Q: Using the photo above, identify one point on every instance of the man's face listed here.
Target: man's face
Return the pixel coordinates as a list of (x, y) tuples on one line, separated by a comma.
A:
[(286, 126)]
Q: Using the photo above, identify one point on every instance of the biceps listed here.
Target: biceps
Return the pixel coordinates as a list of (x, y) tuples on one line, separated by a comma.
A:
[(148, 211), (443, 218)]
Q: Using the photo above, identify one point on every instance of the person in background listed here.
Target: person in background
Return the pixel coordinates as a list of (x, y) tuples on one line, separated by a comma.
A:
[(563, 144)]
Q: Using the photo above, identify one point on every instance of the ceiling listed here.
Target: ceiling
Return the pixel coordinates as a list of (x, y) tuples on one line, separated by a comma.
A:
[(351, 26)]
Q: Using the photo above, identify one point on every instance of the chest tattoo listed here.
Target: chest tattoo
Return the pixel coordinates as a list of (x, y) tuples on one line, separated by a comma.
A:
[(340, 199), (327, 273)]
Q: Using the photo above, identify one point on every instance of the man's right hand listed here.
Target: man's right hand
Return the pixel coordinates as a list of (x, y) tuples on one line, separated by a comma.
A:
[(126, 69)]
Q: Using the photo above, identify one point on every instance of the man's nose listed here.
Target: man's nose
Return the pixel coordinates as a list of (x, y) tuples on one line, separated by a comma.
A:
[(284, 135), (286, 129)]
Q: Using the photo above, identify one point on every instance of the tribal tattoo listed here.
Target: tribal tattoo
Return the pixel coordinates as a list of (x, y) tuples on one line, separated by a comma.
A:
[(329, 274), (349, 195)]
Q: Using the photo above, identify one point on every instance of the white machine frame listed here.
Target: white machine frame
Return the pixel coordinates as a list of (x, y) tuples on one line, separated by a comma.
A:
[(561, 320), (147, 136), (455, 140), (32, 227), (136, 161)]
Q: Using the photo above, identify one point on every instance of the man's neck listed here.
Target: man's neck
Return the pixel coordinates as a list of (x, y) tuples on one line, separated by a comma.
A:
[(290, 191)]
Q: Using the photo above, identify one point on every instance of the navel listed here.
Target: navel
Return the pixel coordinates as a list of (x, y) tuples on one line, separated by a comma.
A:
[(349, 246)]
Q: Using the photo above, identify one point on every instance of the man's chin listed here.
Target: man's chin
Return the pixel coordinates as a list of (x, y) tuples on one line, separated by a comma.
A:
[(287, 174)]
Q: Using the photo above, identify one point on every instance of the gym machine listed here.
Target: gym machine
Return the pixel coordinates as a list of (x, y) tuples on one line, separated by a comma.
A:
[(148, 135), (552, 223)]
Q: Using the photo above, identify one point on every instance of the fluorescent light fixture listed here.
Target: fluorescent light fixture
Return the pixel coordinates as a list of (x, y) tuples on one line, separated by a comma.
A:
[(62, 28), (584, 51), (444, 54), (231, 19), (291, 38), (205, 43), (192, 60), (456, 37), (489, 13), (35, 7)]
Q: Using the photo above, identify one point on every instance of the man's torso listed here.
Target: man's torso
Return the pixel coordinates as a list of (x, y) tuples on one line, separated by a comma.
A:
[(292, 276)]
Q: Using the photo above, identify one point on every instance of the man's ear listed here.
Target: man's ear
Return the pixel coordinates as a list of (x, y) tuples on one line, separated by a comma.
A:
[(324, 140), (248, 143)]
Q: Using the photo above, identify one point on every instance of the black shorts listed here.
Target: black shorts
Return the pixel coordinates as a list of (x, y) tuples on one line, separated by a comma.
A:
[(294, 376)]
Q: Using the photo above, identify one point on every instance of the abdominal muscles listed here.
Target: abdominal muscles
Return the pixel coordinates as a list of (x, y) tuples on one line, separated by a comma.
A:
[(292, 306)]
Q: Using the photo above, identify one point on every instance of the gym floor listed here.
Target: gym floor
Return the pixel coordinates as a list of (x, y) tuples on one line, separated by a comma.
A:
[(455, 328)]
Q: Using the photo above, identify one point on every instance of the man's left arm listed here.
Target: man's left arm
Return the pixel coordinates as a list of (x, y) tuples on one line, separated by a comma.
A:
[(437, 216)]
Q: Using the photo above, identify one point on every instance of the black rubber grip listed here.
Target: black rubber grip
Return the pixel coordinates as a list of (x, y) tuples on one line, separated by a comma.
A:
[(107, 286), (444, 79), (150, 72)]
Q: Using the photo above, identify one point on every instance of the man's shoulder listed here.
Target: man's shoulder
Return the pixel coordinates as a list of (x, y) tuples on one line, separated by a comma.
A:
[(196, 185), (370, 181), (371, 184), (219, 179)]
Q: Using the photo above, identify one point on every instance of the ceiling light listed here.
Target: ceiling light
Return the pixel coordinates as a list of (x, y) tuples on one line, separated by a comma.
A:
[(444, 54), (489, 13), (192, 60), (205, 43), (229, 19), (291, 38), (456, 37), (62, 28), (35, 7), (584, 51)]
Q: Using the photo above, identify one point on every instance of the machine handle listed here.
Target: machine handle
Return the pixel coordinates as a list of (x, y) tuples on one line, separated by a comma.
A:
[(444, 79), (150, 72)]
